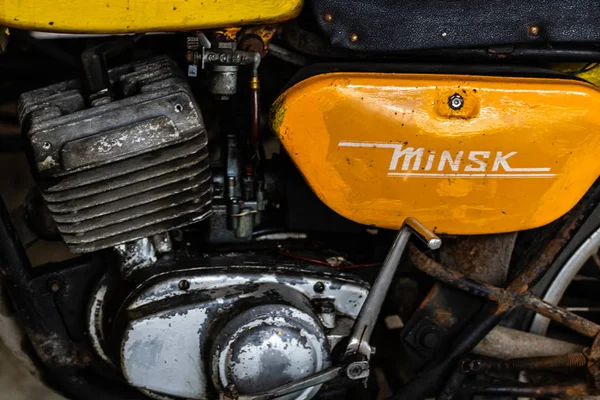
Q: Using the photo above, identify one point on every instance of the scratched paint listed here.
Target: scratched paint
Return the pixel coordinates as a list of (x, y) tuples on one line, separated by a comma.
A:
[(378, 148), (122, 16)]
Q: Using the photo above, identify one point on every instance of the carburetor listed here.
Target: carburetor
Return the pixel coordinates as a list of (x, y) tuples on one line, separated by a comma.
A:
[(131, 165)]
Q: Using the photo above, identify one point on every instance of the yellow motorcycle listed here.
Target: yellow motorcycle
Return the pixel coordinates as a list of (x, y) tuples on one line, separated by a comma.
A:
[(332, 200)]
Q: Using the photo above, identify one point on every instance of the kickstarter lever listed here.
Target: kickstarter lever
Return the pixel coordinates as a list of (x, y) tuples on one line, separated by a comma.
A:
[(358, 350), (363, 327)]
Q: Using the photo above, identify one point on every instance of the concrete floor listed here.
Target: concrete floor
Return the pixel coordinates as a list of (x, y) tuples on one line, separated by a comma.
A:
[(16, 383)]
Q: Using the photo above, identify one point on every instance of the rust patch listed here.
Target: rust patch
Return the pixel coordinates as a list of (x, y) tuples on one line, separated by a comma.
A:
[(444, 317)]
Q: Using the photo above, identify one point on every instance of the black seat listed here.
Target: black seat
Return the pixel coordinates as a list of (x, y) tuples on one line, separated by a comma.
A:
[(391, 26)]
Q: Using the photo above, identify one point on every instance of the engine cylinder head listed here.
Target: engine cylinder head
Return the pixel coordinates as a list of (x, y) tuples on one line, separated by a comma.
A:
[(124, 170)]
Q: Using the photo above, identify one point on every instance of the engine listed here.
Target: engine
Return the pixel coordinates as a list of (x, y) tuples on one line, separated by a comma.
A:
[(125, 169), (204, 331)]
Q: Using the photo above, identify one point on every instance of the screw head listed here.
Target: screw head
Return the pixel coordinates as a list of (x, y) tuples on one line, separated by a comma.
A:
[(319, 287), (328, 17), (534, 30), (184, 285), (456, 102), (354, 37)]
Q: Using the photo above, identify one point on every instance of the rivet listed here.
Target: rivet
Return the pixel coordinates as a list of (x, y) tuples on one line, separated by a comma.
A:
[(47, 145), (328, 17), (534, 30), (354, 37)]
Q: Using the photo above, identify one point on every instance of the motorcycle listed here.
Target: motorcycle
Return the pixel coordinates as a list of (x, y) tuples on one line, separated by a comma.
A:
[(278, 200)]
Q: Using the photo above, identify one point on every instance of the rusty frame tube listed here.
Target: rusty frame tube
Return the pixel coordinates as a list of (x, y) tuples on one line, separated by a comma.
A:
[(562, 316), (515, 295), (481, 388), (493, 311), (568, 360)]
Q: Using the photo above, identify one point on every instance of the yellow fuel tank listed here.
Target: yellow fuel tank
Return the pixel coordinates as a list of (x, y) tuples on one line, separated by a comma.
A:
[(463, 154), (122, 16)]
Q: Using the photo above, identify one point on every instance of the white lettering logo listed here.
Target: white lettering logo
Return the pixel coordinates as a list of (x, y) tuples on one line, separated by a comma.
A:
[(408, 161)]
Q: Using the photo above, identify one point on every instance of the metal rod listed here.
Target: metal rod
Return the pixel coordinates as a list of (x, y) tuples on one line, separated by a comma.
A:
[(507, 299), (255, 139), (562, 316), (358, 342), (579, 389), (363, 327), (453, 278), (313, 380), (432, 378), (569, 360), (288, 55), (432, 241)]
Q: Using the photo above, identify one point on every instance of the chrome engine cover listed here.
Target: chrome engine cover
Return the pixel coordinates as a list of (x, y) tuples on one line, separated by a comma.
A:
[(193, 333)]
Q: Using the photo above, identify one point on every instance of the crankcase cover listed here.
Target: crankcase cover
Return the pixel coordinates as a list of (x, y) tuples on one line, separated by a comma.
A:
[(463, 154), (190, 332)]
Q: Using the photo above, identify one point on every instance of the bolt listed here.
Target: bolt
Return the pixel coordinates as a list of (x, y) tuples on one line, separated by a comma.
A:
[(430, 340), (328, 17), (470, 365), (354, 370), (456, 102), (47, 145), (354, 37), (534, 30), (54, 286), (357, 370), (184, 285), (319, 287)]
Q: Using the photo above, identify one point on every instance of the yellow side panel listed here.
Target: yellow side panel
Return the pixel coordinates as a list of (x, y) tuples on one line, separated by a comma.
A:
[(122, 16), (377, 148)]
